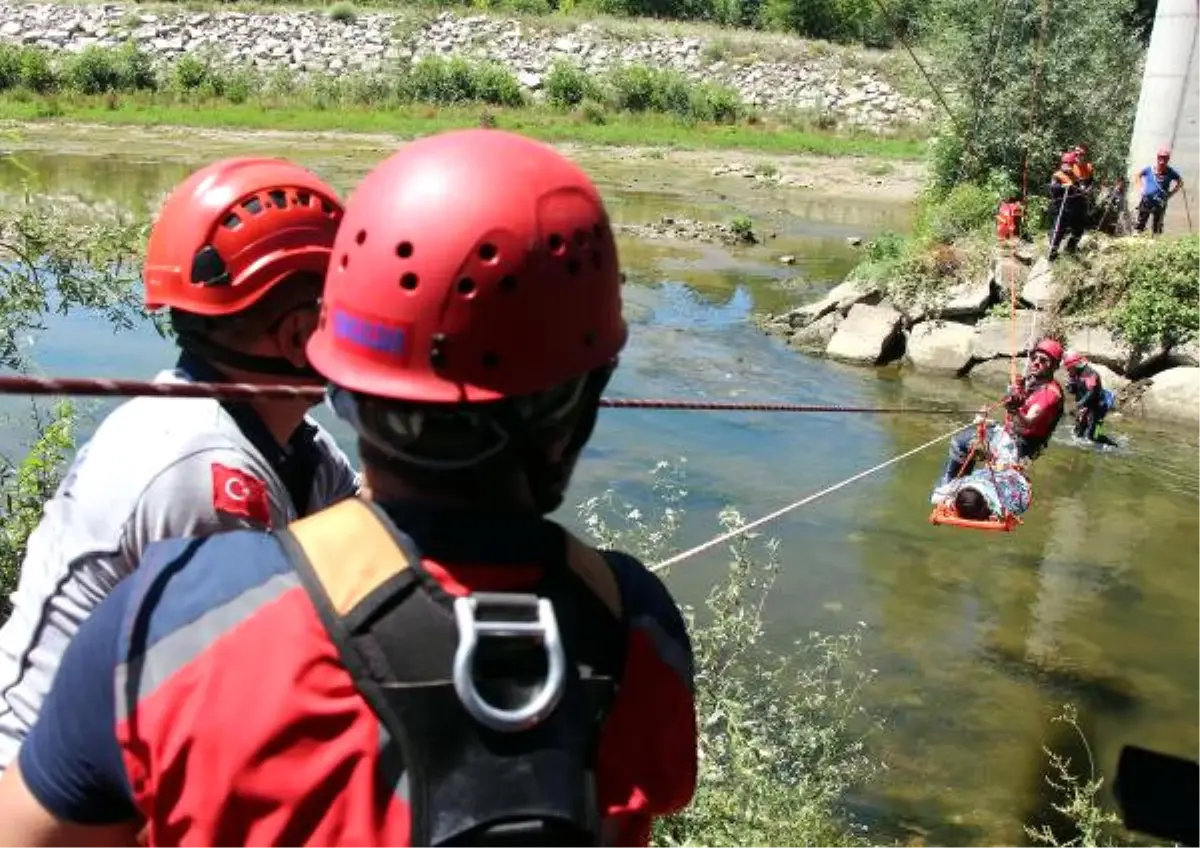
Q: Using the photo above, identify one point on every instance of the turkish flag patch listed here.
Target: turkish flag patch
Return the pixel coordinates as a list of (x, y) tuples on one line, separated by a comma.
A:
[(237, 492)]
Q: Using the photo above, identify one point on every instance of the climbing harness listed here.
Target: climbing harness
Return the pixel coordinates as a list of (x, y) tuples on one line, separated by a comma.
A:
[(945, 514)]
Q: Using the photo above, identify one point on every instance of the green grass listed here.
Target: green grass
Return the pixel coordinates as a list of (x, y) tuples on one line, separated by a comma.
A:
[(643, 129)]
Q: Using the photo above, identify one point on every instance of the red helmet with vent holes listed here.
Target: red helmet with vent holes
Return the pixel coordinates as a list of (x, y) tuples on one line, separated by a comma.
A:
[(1051, 348), (234, 229), (471, 266), (1072, 360)]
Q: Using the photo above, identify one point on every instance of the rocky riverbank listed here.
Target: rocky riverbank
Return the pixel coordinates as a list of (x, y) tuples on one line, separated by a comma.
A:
[(800, 78), (967, 333)]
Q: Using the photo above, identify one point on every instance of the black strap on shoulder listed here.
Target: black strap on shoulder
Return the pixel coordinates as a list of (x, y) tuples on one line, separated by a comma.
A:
[(469, 784)]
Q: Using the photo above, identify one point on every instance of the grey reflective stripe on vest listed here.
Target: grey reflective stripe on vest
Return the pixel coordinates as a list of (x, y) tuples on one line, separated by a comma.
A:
[(154, 667)]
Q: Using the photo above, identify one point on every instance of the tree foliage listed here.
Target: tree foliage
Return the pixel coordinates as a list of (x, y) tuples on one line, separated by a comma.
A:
[(50, 263), (1031, 79)]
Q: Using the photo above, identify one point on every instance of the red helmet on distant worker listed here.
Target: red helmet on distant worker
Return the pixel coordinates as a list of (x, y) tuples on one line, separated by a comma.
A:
[(1069, 158), (471, 266), (1073, 360), (1051, 348), (233, 230)]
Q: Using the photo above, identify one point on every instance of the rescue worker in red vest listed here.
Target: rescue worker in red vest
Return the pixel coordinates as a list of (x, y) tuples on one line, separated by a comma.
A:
[(238, 254), (1068, 207), (1082, 168), (1009, 218), (1034, 408), (440, 664)]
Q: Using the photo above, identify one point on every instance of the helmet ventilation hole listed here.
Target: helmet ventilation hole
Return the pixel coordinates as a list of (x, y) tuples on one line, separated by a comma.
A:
[(360, 237), (253, 206), (278, 198), (232, 221), (573, 267), (408, 282), (508, 283), (556, 244), (488, 252), (345, 260), (581, 238), (466, 287), (404, 249)]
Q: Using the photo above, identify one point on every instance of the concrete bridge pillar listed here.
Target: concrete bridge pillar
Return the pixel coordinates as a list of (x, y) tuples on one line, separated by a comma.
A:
[(1169, 107)]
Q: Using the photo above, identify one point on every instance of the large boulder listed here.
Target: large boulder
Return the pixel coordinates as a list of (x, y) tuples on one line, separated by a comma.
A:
[(941, 347), (1187, 355), (1109, 378), (868, 336), (967, 300), (994, 336), (1039, 290), (1099, 344), (994, 373), (1173, 395), (840, 298), (816, 336)]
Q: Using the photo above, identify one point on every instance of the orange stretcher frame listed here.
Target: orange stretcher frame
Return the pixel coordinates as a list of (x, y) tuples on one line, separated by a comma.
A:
[(943, 514)]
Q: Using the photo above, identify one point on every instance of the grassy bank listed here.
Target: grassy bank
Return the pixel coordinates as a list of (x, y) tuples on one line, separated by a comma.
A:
[(641, 130), (630, 105)]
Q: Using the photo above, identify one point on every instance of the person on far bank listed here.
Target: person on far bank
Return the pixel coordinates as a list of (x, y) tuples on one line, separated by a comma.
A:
[(1034, 406), (1068, 207), (434, 662), (1158, 183), (237, 253)]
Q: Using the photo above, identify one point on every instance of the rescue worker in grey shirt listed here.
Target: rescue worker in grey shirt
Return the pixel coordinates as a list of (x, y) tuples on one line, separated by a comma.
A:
[(238, 254)]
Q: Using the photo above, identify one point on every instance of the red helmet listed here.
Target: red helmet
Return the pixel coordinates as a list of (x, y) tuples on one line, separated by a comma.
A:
[(1069, 158), (232, 230), (1051, 348), (1072, 360), (471, 266)]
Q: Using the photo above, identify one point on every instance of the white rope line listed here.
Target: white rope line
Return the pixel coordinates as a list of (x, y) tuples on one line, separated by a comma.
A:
[(746, 528)]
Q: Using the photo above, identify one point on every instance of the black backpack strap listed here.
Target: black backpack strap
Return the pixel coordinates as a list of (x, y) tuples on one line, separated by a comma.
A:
[(444, 675)]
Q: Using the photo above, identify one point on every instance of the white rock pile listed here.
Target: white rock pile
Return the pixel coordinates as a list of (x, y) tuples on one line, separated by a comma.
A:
[(312, 42)]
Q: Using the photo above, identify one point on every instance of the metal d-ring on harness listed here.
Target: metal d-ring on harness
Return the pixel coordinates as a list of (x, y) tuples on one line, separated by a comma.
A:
[(544, 629)]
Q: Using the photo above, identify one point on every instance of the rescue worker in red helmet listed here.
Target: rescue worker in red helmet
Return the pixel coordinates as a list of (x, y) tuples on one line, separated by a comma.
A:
[(1092, 400), (1034, 408), (440, 664), (1068, 206), (237, 253), (1158, 183)]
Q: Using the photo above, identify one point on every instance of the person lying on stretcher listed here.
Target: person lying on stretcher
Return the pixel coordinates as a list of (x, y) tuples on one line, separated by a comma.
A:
[(991, 491)]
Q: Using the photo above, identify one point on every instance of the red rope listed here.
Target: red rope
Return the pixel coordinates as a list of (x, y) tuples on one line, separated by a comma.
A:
[(96, 387)]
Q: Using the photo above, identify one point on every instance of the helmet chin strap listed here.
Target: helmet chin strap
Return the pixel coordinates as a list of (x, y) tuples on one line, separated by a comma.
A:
[(275, 366)]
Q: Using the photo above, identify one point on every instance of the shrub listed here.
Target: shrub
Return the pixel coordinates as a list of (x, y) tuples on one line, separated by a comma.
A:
[(190, 73), (37, 74), (343, 13), (1161, 306), (93, 71), (567, 86), (496, 85), (10, 66), (965, 209), (25, 487), (782, 739)]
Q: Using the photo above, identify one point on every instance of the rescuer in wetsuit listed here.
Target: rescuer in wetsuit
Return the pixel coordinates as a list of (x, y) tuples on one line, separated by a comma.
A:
[(1092, 400)]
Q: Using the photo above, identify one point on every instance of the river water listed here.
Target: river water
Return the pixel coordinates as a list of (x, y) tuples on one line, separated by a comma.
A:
[(978, 639)]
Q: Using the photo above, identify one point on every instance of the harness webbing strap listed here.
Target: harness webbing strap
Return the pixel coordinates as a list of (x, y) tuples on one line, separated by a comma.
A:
[(349, 573)]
